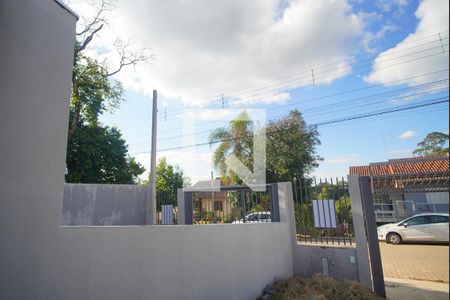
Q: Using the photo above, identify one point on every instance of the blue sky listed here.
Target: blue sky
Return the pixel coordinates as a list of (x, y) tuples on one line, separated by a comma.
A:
[(366, 56)]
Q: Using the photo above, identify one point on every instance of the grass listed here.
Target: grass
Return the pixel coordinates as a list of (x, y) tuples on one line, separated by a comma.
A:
[(320, 288)]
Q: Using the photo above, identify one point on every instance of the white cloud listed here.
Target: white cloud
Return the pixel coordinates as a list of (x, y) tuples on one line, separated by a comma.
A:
[(370, 37), (208, 47), (433, 18), (408, 135), (388, 5), (399, 153), (195, 164)]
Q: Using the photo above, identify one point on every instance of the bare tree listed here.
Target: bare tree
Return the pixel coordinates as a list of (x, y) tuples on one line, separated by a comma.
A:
[(126, 55)]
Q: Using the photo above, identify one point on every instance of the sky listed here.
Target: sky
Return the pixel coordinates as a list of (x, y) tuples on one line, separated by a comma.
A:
[(335, 61)]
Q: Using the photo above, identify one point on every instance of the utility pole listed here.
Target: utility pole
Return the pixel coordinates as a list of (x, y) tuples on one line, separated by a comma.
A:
[(151, 205)]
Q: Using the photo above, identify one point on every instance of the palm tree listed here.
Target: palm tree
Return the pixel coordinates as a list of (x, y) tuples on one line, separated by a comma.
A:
[(237, 139)]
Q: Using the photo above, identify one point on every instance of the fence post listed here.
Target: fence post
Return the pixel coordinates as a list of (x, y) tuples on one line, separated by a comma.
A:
[(180, 205), (367, 247), (362, 254), (372, 238), (188, 212), (274, 203)]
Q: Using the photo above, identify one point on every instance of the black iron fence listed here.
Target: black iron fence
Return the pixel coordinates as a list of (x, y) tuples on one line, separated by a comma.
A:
[(233, 205), (323, 211), (166, 207), (400, 196)]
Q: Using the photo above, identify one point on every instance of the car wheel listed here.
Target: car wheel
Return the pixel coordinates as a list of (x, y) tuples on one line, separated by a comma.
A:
[(393, 238)]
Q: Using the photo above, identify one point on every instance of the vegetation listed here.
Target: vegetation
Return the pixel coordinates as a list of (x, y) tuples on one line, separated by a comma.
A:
[(97, 154), (168, 179), (290, 149), (433, 144), (321, 288)]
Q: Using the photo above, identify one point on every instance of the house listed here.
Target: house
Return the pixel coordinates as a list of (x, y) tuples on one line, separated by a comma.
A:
[(406, 186), (209, 199)]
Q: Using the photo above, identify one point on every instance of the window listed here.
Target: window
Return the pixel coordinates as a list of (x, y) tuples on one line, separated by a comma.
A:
[(264, 216), (253, 217), (419, 220), (439, 219), (218, 205)]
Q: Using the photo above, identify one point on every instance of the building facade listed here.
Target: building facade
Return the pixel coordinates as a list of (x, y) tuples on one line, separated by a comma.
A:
[(408, 186)]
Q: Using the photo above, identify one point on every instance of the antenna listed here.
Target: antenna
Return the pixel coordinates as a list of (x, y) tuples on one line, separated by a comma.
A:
[(223, 102)]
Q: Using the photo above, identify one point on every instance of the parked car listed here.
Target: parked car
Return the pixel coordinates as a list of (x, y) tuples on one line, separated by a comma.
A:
[(256, 217), (430, 227)]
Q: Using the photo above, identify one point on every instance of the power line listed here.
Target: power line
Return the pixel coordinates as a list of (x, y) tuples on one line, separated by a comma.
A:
[(438, 40), (283, 84), (339, 120), (388, 66), (406, 93)]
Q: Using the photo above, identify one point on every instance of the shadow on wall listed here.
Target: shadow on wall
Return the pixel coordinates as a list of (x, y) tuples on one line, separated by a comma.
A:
[(103, 204)]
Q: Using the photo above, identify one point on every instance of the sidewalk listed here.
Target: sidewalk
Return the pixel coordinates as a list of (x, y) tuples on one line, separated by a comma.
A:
[(408, 289), (415, 261)]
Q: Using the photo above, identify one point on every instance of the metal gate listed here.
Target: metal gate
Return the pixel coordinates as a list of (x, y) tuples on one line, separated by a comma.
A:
[(323, 211)]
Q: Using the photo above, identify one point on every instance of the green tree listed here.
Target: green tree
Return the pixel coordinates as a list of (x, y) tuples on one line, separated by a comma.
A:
[(97, 154), (433, 144), (168, 179), (237, 139), (290, 149)]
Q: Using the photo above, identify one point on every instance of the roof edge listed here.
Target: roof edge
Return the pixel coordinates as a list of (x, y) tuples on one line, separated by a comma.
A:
[(67, 8)]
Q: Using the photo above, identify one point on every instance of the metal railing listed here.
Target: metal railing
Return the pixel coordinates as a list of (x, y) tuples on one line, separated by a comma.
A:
[(231, 205), (385, 212), (323, 211), (166, 207)]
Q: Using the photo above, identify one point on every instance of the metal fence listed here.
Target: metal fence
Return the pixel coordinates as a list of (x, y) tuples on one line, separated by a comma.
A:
[(385, 212), (166, 207), (403, 195), (323, 211), (232, 205)]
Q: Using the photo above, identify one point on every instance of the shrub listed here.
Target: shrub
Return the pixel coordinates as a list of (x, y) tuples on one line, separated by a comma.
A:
[(320, 288)]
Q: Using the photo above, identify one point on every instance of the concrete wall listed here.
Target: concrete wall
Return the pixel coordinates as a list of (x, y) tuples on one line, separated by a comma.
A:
[(104, 204), (36, 57), (337, 262), (41, 259)]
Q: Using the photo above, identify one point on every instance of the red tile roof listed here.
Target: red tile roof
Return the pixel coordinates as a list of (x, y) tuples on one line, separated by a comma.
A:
[(429, 164)]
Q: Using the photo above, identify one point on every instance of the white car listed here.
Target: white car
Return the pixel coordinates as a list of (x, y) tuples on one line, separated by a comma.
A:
[(431, 227), (256, 217)]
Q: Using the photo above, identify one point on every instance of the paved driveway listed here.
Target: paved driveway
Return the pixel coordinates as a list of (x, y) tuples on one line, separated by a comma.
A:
[(415, 261)]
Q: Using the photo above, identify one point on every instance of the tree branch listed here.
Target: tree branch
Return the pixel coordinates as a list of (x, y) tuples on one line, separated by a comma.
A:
[(89, 39), (104, 6), (127, 57)]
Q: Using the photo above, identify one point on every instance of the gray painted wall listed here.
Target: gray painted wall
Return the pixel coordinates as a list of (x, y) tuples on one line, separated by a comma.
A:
[(340, 261), (104, 204), (41, 259)]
